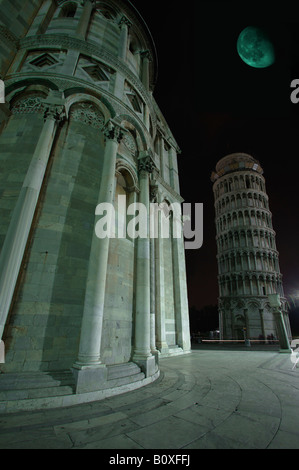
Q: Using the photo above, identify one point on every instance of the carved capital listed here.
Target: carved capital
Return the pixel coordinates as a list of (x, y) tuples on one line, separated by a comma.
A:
[(125, 21), (112, 131), (55, 112), (146, 55), (154, 193), (146, 164)]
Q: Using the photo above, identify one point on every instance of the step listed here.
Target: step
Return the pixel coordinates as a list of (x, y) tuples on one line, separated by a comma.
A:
[(34, 385), (31, 380), (26, 385), (122, 370), (11, 395)]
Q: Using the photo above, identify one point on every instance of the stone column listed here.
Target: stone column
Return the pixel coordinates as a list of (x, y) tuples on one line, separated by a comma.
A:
[(145, 69), (88, 370), (153, 198), (261, 310), (41, 18), (282, 331), (275, 304), (161, 342), (124, 25), (142, 350), (180, 286), (18, 232), (83, 24), (173, 170)]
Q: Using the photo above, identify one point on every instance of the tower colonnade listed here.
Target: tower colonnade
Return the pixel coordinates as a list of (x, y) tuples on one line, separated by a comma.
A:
[(248, 260)]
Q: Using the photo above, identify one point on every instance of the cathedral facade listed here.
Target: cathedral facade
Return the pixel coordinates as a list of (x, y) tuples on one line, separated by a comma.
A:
[(248, 260), (80, 127)]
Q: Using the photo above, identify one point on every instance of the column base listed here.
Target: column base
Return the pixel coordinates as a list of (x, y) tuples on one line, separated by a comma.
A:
[(162, 348), (89, 378), (286, 351), (148, 365)]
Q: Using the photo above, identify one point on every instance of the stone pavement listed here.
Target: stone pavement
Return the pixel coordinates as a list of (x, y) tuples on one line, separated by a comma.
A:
[(213, 398)]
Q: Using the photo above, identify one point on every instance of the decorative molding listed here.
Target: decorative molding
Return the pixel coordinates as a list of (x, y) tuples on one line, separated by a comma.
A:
[(92, 49), (113, 132), (116, 106), (28, 105), (125, 21), (55, 112), (36, 105), (146, 164), (154, 190), (130, 143), (87, 113)]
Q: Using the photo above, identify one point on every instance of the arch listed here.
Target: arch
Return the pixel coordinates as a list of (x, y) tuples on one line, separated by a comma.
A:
[(29, 83), (78, 94), (126, 119), (107, 11), (254, 304), (129, 172), (68, 10)]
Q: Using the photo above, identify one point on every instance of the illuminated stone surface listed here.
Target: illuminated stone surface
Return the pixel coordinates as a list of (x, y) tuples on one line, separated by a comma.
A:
[(248, 266), (210, 399), (79, 93)]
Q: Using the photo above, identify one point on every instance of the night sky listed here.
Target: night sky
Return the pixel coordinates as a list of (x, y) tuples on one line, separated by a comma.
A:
[(215, 104)]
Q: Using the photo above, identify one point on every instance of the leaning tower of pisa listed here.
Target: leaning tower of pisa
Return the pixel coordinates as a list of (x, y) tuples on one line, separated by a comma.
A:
[(248, 266)]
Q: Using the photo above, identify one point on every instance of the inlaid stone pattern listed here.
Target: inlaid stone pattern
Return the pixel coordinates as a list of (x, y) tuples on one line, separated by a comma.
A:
[(87, 113)]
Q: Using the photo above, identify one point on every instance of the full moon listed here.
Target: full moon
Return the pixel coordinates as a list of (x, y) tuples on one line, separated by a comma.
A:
[(255, 48)]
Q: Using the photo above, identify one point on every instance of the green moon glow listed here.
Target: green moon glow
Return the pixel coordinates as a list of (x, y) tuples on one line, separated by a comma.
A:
[(255, 48)]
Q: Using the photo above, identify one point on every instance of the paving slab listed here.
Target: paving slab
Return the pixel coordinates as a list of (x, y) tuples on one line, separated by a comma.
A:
[(209, 399)]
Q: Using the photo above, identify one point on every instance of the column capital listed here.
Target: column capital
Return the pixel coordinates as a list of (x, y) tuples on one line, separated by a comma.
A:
[(154, 189), (113, 131), (146, 55), (125, 22), (146, 163), (57, 113)]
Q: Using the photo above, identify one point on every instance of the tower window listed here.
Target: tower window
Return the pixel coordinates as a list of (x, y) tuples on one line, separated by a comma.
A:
[(264, 290)]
